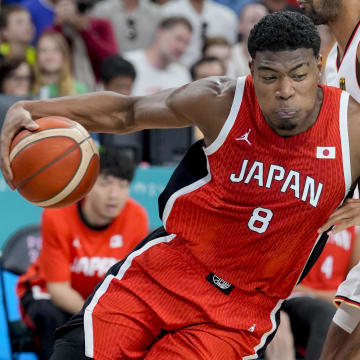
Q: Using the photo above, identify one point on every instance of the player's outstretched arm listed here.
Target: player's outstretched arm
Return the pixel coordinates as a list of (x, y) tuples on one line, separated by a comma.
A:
[(201, 103)]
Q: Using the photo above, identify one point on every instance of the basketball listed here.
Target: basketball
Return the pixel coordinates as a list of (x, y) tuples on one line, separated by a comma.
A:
[(56, 165)]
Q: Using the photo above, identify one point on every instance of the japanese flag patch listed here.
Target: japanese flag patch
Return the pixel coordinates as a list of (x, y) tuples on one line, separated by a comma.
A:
[(327, 152)]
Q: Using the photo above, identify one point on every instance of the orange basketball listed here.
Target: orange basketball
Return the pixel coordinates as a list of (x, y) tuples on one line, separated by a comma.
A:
[(55, 165)]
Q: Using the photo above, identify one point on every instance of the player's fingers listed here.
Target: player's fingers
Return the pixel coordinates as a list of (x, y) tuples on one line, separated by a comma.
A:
[(350, 218), (349, 210), (16, 119), (340, 227), (332, 220)]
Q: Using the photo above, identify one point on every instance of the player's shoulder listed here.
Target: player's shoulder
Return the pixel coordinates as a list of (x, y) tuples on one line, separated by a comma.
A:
[(212, 86)]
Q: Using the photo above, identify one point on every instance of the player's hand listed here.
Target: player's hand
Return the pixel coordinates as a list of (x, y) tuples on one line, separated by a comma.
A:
[(16, 119), (347, 215)]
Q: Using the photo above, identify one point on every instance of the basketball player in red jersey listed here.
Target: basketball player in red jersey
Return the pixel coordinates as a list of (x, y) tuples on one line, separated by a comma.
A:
[(343, 71), (245, 213)]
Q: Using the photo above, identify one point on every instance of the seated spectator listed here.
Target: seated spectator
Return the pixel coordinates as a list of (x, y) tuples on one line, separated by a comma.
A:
[(53, 75), (16, 77), (220, 48), (310, 307), (117, 74), (134, 21), (17, 32), (250, 15), (157, 67), (207, 66), (91, 40), (208, 19), (79, 244)]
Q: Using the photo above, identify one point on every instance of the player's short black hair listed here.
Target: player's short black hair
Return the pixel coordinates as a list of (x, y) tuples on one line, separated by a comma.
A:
[(116, 162), (115, 65), (284, 30)]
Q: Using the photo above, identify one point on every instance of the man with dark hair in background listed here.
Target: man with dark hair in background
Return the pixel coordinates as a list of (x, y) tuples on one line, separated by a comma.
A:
[(79, 244), (245, 213), (207, 66), (117, 74)]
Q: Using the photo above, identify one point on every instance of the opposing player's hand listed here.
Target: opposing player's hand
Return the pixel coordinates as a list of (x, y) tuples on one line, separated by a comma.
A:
[(347, 215), (16, 119)]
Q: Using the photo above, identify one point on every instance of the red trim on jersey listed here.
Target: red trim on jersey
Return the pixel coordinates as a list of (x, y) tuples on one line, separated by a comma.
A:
[(345, 299)]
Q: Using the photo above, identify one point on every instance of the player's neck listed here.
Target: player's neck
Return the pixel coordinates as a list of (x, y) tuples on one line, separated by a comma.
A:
[(343, 26)]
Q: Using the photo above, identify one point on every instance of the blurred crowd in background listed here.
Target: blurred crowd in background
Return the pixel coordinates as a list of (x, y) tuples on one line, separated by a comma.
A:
[(53, 48)]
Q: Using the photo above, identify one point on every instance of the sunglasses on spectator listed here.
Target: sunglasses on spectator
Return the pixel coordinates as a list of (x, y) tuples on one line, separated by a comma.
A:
[(204, 27), (131, 31)]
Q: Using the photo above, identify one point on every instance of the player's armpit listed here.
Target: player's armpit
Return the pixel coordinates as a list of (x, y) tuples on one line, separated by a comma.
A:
[(205, 103), (347, 215)]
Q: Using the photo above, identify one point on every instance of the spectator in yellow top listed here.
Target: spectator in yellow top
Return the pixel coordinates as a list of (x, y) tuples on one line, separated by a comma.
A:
[(17, 32)]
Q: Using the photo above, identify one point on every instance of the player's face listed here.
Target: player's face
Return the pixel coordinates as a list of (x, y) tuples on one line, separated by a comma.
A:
[(286, 88), (107, 198), (321, 11)]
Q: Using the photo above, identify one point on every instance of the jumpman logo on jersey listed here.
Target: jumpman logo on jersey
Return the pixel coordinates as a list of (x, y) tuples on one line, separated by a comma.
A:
[(252, 328), (245, 137)]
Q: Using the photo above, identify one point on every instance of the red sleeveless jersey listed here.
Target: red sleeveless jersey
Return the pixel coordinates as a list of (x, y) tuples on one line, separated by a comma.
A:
[(252, 217), (334, 262)]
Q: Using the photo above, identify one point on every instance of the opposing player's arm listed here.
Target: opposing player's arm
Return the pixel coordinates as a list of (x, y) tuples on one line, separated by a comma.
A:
[(349, 213), (204, 103), (340, 345)]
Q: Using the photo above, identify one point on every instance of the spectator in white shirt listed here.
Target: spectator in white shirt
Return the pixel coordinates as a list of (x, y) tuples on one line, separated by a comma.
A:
[(157, 67), (208, 19)]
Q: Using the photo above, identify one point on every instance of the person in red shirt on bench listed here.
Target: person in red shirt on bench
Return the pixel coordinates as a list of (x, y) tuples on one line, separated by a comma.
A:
[(79, 244)]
